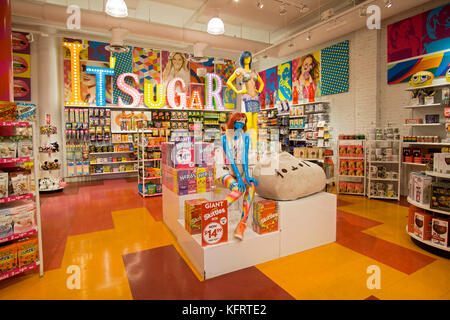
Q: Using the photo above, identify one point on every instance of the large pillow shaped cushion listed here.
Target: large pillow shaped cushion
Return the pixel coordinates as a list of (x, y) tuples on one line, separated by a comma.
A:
[(293, 179)]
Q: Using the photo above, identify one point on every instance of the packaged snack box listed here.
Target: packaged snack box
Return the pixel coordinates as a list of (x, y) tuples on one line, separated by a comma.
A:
[(265, 216), (411, 216), (6, 223), (27, 251), (439, 231), (8, 257), (214, 228), (186, 181), (201, 180), (183, 152), (193, 215), (422, 225), (204, 154)]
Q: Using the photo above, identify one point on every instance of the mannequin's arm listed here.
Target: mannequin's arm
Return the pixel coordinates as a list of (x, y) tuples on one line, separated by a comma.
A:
[(231, 85), (241, 184), (261, 84), (245, 160)]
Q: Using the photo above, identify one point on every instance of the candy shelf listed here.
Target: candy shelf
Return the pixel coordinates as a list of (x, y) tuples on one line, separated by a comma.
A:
[(423, 106), (18, 235), (342, 178), (14, 160), (414, 164), (17, 271), (427, 242), (430, 86), (437, 174), (101, 173), (117, 162), (429, 143), (16, 198), (423, 124), (153, 162), (14, 124), (426, 207), (395, 166), (34, 195)]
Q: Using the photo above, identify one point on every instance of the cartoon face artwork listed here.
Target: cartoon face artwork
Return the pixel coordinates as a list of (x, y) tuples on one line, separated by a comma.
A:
[(447, 75), (292, 179), (421, 78)]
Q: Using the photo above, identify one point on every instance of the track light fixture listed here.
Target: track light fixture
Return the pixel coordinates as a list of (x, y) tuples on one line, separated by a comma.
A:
[(260, 4), (388, 3), (308, 37)]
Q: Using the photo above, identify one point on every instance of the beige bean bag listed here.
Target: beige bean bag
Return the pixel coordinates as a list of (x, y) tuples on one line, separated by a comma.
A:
[(288, 179)]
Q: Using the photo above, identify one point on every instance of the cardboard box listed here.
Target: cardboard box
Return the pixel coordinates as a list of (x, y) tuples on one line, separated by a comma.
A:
[(411, 217), (214, 222), (8, 257), (439, 231), (193, 215), (27, 251), (265, 216), (422, 225), (440, 196), (441, 163), (204, 154), (183, 155), (202, 175), (422, 185)]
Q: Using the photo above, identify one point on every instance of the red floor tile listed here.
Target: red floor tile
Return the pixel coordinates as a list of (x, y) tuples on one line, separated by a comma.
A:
[(162, 274), (349, 235)]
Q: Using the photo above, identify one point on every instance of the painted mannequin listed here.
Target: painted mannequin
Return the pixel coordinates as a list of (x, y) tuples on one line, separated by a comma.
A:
[(235, 144), (250, 99)]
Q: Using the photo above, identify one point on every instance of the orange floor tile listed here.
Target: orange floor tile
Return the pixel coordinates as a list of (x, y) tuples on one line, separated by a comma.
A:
[(124, 251)]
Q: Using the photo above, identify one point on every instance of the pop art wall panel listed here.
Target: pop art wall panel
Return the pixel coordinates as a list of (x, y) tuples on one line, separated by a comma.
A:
[(425, 33), (21, 66), (229, 98), (147, 65), (124, 64), (271, 87), (402, 71), (97, 51), (335, 68), (262, 95), (199, 70), (285, 81), (225, 71)]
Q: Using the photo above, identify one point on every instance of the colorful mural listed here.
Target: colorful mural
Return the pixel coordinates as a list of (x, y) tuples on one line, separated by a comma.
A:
[(21, 66), (335, 69), (285, 81), (425, 33)]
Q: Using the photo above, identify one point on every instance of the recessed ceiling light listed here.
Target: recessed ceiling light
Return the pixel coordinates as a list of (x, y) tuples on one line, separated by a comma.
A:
[(388, 3), (260, 4)]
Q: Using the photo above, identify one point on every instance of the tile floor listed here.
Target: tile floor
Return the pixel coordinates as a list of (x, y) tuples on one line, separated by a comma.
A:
[(125, 251)]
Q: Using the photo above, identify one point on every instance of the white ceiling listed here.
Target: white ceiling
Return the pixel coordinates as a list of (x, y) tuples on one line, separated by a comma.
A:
[(243, 20)]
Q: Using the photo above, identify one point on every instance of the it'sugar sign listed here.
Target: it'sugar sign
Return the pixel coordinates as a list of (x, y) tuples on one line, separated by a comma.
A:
[(374, 281), (73, 281), (373, 21)]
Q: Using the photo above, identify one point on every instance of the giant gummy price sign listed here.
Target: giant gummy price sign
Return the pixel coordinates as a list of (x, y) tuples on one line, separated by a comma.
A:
[(214, 227)]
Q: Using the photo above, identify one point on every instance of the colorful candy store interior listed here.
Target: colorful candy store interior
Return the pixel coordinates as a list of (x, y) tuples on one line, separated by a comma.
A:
[(224, 150)]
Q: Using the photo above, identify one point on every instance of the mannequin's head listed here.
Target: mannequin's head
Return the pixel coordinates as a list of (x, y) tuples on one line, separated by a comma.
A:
[(246, 58), (237, 121)]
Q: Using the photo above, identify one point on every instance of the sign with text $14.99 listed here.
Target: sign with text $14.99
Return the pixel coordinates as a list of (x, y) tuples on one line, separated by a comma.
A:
[(214, 222)]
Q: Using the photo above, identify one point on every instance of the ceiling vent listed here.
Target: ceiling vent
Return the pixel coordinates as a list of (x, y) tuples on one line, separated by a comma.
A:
[(116, 45)]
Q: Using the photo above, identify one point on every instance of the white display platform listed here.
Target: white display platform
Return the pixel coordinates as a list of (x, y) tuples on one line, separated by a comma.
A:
[(304, 224)]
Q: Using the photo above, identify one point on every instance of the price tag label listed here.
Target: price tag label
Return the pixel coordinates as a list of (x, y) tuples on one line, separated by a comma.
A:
[(214, 222)]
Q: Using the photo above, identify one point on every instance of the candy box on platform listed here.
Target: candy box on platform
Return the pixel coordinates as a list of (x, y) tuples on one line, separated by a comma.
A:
[(183, 155), (214, 222), (265, 216), (204, 154), (411, 216), (205, 179), (166, 151), (193, 215), (422, 225), (421, 187), (187, 181), (439, 231)]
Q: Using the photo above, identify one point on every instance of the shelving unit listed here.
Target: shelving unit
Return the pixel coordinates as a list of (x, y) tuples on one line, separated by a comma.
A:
[(351, 179), (429, 244), (33, 193), (418, 110), (373, 149), (49, 180), (144, 147)]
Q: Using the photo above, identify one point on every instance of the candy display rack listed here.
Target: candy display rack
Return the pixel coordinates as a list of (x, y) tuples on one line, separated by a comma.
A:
[(149, 159), (351, 178), (50, 179), (25, 223)]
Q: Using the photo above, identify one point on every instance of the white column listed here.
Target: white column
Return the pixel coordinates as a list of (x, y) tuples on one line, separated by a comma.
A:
[(50, 82)]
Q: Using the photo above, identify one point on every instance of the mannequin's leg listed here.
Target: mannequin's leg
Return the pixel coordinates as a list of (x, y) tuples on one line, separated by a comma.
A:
[(231, 183), (248, 200), (252, 127)]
